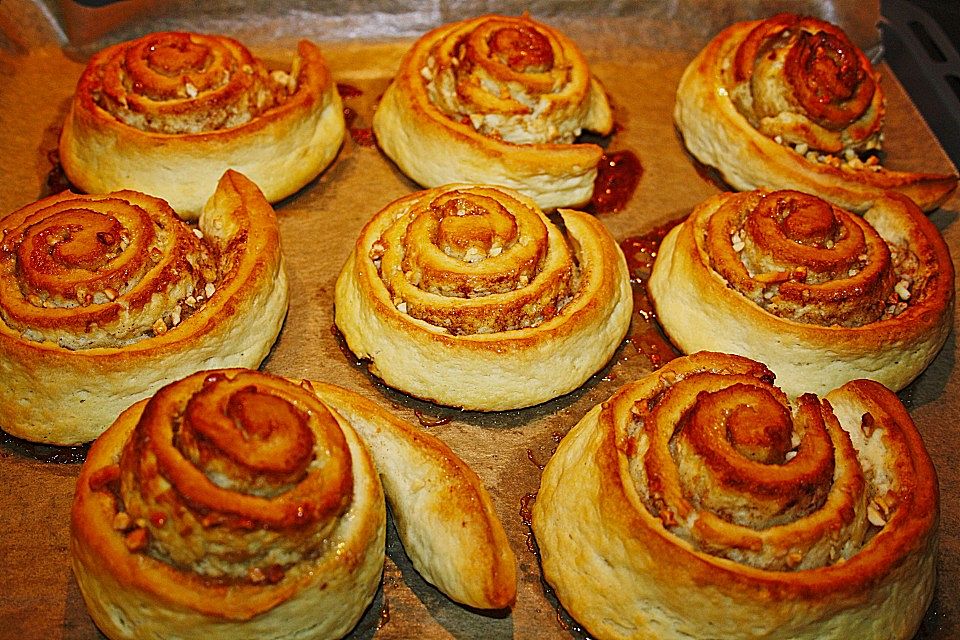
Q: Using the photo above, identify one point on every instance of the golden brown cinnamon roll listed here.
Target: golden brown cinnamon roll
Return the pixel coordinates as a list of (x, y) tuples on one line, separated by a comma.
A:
[(791, 103), (238, 504), (168, 113), (470, 296), (700, 502), (820, 294), (105, 298), (496, 100)]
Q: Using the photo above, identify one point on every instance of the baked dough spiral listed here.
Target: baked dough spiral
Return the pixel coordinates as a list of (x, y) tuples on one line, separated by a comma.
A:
[(699, 502), (469, 296), (238, 504), (168, 113), (496, 100), (106, 298), (820, 294), (791, 103)]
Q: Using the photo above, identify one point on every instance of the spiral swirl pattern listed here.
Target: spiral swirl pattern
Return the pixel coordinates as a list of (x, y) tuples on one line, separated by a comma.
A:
[(106, 298), (175, 82), (101, 271), (822, 295), (168, 113), (812, 517), (477, 279), (235, 475), (476, 261), (791, 102), (730, 466), (235, 503), (496, 100), (232, 503), (802, 79), (512, 78), (801, 258)]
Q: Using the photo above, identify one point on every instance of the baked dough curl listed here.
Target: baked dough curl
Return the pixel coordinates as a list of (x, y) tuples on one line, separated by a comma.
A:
[(168, 113), (791, 103), (699, 502), (821, 295), (238, 504), (106, 298), (496, 100), (469, 296)]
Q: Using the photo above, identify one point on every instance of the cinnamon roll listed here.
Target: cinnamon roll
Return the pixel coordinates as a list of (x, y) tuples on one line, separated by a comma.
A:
[(791, 103), (496, 100), (168, 113), (820, 294), (239, 504), (106, 298), (469, 296), (700, 502)]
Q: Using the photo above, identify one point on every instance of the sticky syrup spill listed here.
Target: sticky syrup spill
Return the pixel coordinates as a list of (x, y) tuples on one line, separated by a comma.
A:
[(427, 421), (384, 617), (618, 175), (526, 518), (526, 501), (349, 116), (348, 90), (363, 136), (10, 445), (646, 335), (57, 181), (358, 363), (532, 458)]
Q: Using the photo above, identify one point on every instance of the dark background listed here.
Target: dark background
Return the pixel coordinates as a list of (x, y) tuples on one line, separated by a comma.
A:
[(921, 39)]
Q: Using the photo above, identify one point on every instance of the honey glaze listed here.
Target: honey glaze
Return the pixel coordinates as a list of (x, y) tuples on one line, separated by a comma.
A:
[(646, 336), (618, 175)]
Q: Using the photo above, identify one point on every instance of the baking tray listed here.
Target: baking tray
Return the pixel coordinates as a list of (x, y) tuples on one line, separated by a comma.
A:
[(639, 56)]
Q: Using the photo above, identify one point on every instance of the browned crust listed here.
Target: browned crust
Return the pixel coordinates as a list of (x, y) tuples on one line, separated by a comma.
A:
[(924, 324), (260, 256), (314, 78), (433, 149), (475, 540), (488, 371), (614, 534), (516, 158), (483, 548), (281, 149), (197, 337), (101, 549), (750, 160), (845, 581), (570, 320)]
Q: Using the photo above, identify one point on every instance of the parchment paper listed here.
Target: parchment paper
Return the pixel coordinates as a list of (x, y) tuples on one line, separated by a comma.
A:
[(639, 51)]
